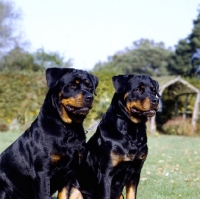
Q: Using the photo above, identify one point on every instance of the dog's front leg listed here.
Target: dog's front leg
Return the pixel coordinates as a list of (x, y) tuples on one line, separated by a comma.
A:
[(42, 184), (65, 193), (121, 197), (105, 187), (131, 187), (131, 190)]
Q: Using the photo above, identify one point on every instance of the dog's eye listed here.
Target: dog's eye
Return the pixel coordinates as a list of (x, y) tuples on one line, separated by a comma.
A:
[(153, 90), (89, 86), (73, 86), (138, 90), (87, 83)]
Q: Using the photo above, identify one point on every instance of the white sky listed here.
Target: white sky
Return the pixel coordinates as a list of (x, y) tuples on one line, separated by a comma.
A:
[(88, 31)]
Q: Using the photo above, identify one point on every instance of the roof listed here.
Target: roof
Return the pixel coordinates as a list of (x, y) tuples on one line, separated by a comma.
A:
[(179, 85)]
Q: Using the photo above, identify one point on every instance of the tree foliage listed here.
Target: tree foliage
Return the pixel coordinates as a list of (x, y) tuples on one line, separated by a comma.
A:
[(181, 61), (13, 56), (21, 96), (105, 91), (28, 88), (20, 60), (9, 18), (50, 59), (194, 37), (145, 56)]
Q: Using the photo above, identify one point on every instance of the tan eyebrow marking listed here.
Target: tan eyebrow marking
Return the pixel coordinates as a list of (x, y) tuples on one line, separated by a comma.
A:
[(77, 81)]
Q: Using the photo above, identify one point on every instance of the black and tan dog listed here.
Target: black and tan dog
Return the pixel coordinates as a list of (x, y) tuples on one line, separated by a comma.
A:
[(46, 156), (117, 151)]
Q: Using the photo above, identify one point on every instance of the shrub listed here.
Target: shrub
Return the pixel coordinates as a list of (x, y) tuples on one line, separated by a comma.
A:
[(21, 95), (3, 127), (178, 126)]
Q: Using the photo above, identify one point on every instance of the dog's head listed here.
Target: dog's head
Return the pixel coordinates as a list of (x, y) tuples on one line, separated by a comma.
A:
[(138, 95), (74, 91)]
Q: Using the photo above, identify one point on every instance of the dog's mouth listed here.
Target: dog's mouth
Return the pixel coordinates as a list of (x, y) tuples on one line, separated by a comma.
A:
[(78, 110), (149, 113)]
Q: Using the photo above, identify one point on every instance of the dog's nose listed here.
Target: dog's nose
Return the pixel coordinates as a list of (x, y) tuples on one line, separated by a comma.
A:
[(155, 101), (89, 97)]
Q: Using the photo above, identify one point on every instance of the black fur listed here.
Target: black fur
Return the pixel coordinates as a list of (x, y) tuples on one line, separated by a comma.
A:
[(117, 151), (44, 158)]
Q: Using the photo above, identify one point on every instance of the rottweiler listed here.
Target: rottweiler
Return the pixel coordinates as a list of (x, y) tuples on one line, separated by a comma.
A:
[(47, 154), (115, 154)]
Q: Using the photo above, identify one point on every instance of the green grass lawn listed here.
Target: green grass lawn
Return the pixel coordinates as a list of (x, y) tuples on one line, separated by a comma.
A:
[(171, 171)]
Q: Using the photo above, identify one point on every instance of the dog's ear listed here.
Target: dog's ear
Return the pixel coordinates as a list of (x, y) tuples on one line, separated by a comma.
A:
[(120, 81), (53, 75), (95, 82), (156, 87)]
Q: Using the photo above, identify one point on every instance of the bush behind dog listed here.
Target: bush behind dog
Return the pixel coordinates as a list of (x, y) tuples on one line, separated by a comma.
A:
[(22, 94)]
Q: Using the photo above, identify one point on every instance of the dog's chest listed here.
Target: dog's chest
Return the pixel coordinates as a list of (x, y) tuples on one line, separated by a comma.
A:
[(67, 150), (129, 149)]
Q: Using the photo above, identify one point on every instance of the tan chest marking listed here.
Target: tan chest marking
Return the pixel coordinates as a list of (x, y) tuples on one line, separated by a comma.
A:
[(116, 158), (55, 158)]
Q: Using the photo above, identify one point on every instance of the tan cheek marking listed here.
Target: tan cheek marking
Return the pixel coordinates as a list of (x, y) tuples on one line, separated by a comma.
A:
[(134, 119), (79, 100), (128, 110), (63, 193), (116, 158), (55, 158), (130, 191), (136, 104), (69, 101), (146, 104), (63, 113), (75, 194), (64, 116)]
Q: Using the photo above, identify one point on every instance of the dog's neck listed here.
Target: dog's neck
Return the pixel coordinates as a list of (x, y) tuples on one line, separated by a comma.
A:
[(119, 109), (50, 105), (117, 119)]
